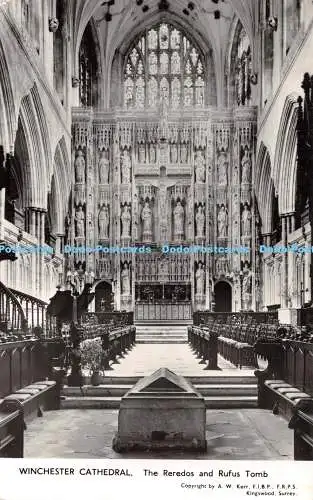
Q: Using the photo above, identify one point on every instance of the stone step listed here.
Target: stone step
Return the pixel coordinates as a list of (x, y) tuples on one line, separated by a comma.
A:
[(162, 336), (211, 402), (208, 378), (115, 390), (161, 341)]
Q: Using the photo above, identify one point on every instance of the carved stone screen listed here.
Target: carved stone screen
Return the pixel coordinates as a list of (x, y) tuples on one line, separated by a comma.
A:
[(162, 171)]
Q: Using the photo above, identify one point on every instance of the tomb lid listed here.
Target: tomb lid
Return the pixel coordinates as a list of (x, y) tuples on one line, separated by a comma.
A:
[(163, 381)]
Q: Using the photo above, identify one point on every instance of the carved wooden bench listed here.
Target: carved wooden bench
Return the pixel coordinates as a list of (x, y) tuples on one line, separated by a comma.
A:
[(239, 353), (302, 424), (11, 430), (283, 397), (37, 397)]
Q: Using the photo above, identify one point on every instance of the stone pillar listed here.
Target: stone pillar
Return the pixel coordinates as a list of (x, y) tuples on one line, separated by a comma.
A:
[(2, 212), (284, 298)]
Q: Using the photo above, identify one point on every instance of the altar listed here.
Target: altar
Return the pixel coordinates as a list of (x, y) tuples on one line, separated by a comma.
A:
[(160, 311)]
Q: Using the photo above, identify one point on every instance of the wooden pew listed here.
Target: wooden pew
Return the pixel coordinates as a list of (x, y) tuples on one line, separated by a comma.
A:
[(11, 429)]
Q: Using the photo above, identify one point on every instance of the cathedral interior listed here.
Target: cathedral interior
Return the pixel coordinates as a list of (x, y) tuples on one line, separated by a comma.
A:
[(155, 160), (135, 124)]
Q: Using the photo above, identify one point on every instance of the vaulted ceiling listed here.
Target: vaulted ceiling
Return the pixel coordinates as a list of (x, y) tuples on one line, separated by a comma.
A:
[(128, 16)]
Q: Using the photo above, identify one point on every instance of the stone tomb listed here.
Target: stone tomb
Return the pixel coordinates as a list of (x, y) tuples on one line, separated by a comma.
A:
[(161, 411)]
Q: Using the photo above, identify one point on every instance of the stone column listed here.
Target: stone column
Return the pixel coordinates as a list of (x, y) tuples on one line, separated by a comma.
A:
[(284, 298)]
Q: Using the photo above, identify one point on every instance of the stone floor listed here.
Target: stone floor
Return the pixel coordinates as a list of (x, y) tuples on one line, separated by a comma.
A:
[(144, 359), (250, 434)]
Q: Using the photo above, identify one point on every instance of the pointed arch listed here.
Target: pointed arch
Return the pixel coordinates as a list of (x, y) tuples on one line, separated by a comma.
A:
[(125, 42), (60, 186), (264, 187), (8, 123), (285, 169), (238, 38), (35, 173)]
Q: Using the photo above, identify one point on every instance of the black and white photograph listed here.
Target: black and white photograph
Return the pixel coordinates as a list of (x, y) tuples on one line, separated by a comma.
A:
[(156, 205)]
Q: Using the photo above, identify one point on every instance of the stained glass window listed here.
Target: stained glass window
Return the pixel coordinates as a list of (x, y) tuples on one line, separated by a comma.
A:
[(164, 64)]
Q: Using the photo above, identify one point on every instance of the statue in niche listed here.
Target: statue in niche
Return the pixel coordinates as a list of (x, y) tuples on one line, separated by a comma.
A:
[(174, 156), (200, 167), (246, 221), (146, 217), (178, 221), (152, 153), (104, 223), (126, 218), (222, 222), (246, 167), (247, 286), (222, 169), (135, 206), (80, 165), (80, 222), (200, 280), (200, 219), (142, 154), (222, 266), (125, 280), (163, 202), (163, 129), (183, 153), (163, 269), (103, 168), (126, 168)]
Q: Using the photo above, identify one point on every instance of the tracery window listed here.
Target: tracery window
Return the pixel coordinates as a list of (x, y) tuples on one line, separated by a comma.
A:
[(163, 64), (243, 70)]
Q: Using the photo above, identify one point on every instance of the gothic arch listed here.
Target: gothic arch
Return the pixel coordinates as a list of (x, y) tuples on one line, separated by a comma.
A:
[(236, 30), (264, 187), (285, 170), (123, 43), (60, 186), (7, 105), (35, 174)]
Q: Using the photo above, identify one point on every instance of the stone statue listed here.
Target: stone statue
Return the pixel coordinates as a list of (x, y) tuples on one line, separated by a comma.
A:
[(200, 167), (222, 169), (53, 24), (125, 280), (126, 168), (247, 287), (200, 219), (126, 218), (174, 157), (80, 222), (246, 167), (146, 217), (163, 127), (104, 223), (142, 154), (80, 165), (103, 168), (222, 222), (179, 221), (183, 153), (200, 280), (246, 221), (152, 153)]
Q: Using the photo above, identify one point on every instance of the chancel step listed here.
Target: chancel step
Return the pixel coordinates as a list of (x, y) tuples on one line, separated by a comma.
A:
[(218, 391), (98, 402), (160, 333)]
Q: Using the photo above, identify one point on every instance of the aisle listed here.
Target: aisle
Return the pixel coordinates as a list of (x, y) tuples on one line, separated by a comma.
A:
[(146, 358)]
